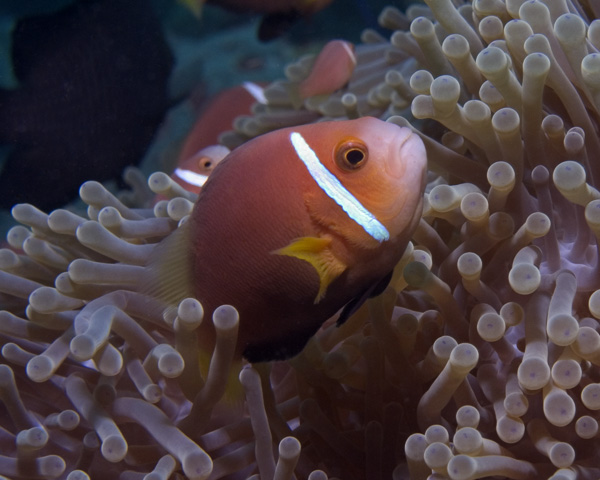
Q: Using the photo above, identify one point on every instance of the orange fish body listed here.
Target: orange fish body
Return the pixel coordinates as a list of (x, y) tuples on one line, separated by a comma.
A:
[(332, 69), (268, 238), (218, 117)]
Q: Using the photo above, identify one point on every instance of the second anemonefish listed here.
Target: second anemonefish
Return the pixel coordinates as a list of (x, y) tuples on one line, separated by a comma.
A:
[(331, 70), (200, 153), (193, 172), (294, 225)]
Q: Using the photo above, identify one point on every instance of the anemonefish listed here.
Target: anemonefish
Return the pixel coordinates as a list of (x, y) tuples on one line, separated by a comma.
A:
[(193, 172), (331, 70), (294, 225), (218, 116), (200, 152)]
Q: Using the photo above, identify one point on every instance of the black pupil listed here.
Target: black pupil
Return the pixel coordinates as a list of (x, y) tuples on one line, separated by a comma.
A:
[(354, 156), (207, 164)]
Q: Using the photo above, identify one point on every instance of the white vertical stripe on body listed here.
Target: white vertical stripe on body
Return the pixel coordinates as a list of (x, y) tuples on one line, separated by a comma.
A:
[(256, 91)]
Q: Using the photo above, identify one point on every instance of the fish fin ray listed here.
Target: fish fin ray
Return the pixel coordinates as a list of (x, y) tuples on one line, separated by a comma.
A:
[(317, 252), (168, 269)]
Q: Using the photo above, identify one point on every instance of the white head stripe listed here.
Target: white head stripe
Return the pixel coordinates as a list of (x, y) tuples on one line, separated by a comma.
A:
[(193, 178), (349, 52), (332, 187), (256, 91)]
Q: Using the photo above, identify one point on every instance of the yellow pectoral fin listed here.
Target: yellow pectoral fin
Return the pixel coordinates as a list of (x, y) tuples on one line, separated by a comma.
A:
[(317, 252)]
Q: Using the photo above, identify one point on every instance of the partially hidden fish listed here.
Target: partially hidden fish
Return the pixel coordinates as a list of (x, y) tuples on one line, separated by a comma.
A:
[(218, 116), (200, 152), (292, 226), (331, 69), (193, 172)]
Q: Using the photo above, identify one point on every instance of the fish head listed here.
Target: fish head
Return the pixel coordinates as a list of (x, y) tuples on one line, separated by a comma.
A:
[(382, 166), (193, 172)]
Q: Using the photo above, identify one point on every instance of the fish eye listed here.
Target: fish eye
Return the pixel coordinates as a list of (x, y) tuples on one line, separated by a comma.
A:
[(205, 163), (351, 155)]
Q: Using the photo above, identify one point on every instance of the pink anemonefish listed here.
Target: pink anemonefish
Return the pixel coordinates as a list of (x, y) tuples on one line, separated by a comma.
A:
[(200, 153), (331, 70), (294, 225), (193, 172)]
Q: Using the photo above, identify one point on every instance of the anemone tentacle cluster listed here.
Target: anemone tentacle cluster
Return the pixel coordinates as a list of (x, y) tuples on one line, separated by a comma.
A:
[(481, 358)]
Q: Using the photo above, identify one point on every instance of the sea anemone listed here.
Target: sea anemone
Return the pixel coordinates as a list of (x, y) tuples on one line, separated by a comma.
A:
[(481, 358)]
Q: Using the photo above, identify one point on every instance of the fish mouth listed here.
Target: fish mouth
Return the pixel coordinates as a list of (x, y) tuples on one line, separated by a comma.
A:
[(408, 159)]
